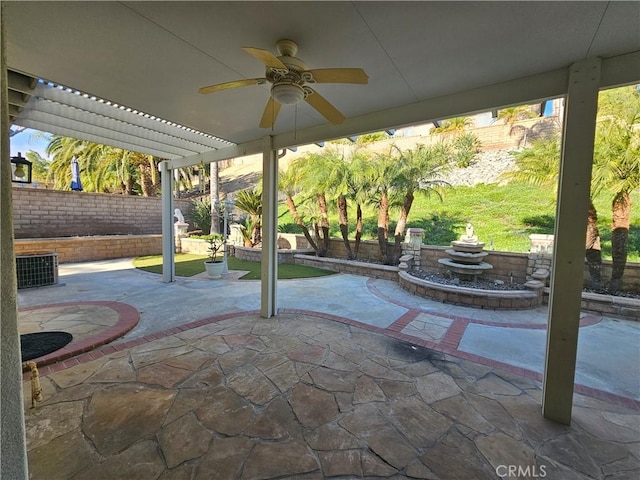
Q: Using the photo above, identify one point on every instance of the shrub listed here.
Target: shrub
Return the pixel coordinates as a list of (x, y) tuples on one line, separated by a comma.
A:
[(200, 214)]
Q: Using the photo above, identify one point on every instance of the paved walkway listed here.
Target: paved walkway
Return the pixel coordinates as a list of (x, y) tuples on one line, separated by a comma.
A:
[(355, 378)]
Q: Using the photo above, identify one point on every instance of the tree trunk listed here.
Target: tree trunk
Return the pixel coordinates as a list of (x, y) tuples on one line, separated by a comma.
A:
[(291, 205), (593, 250), (214, 192), (128, 186), (402, 220), (359, 227), (383, 233), (621, 209), (256, 234), (324, 221), (344, 224), (145, 181)]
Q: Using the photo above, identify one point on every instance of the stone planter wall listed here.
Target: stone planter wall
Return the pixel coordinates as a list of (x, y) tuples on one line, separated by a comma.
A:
[(608, 304), (255, 254), (471, 297), (356, 268), (369, 249), (630, 279)]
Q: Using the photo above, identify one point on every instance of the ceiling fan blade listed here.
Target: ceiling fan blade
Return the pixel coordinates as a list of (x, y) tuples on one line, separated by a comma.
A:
[(266, 57), (327, 110), (270, 114), (234, 84), (339, 75)]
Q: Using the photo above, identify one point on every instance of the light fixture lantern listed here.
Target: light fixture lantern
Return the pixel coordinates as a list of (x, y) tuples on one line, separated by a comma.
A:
[(21, 169), (287, 93)]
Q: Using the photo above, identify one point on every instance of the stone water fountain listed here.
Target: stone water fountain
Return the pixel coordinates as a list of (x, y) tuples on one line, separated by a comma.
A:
[(466, 256)]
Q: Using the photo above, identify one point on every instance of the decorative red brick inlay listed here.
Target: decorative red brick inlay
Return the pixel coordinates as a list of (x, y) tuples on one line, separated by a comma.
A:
[(403, 320), (128, 318)]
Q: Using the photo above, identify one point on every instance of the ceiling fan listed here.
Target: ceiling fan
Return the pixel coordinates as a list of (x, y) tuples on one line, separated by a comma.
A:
[(289, 79)]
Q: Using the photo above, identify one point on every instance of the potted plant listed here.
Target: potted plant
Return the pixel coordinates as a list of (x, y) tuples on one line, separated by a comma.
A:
[(213, 266)]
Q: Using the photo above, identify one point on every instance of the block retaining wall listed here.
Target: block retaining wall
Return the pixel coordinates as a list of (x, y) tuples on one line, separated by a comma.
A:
[(343, 266), (84, 249)]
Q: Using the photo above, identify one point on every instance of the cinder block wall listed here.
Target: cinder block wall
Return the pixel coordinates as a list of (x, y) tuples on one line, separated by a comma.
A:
[(84, 249), (41, 213)]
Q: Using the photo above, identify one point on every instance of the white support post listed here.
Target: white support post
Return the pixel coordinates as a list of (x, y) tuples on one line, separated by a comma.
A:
[(269, 274), (168, 241), (13, 454), (570, 231)]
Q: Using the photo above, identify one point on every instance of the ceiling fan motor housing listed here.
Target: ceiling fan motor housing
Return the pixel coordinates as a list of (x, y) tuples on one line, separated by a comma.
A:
[(288, 85), (287, 93)]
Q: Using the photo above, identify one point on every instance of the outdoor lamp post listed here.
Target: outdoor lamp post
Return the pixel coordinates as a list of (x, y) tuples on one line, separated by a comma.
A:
[(20, 169), (227, 207)]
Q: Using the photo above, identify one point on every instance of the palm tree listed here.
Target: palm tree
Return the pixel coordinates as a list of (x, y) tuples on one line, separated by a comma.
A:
[(105, 168), (313, 173), (250, 202), (511, 115), (418, 169), (359, 190), (382, 175), (453, 126), (617, 166), (540, 165), (289, 184), (40, 167)]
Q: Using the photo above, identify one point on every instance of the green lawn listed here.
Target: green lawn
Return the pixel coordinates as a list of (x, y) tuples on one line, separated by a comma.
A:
[(188, 265), (503, 214)]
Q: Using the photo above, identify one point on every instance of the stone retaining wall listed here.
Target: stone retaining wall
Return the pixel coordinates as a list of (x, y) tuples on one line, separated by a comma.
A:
[(610, 305), (255, 254), (84, 249), (356, 268), (630, 278)]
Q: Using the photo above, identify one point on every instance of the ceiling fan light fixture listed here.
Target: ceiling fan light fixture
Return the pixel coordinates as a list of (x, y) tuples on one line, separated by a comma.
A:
[(287, 93)]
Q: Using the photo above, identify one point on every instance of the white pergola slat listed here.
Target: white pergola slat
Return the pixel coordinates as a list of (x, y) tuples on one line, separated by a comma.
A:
[(64, 111)]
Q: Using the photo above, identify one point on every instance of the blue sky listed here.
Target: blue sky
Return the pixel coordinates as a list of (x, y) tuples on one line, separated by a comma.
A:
[(29, 140)]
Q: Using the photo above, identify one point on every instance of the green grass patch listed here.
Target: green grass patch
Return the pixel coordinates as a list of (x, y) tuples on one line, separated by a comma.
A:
[(188, 265)]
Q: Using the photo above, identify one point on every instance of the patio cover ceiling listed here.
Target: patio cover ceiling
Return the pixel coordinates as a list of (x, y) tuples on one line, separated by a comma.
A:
[(153, 56)]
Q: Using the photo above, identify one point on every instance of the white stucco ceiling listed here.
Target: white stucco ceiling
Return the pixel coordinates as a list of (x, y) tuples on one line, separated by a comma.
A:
[(153, 56)]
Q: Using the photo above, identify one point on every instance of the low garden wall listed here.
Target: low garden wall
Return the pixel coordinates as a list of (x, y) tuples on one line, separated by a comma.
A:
[(84, 249), (387, 272), (472, 297), (255, 254), (285, 255), (611, 305)]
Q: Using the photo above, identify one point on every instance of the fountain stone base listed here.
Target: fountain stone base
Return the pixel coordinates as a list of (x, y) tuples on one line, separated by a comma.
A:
[(465, 269)]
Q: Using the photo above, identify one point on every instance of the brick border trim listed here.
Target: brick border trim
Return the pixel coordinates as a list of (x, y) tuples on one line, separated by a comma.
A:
[(129, 318)]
